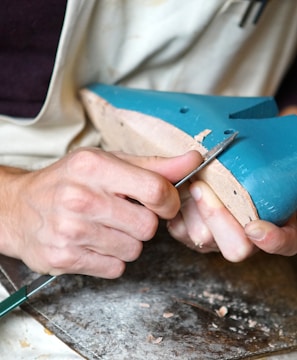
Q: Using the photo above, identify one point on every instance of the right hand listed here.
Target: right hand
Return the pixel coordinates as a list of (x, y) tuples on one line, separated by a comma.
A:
[(76, 216)]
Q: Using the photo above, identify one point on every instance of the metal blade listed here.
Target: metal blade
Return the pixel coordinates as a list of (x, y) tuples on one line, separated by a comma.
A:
[(209, 156), (38, 284)]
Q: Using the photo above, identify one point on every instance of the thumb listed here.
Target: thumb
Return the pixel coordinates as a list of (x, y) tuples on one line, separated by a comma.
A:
[(172, 168)]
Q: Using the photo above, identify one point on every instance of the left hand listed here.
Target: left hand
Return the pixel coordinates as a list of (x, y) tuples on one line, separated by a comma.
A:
[(205, 225)]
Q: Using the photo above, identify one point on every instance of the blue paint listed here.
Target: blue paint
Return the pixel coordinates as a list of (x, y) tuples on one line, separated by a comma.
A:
[(263, 158)]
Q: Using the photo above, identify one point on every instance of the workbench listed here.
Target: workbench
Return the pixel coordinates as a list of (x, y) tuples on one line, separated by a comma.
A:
[(172, 303)]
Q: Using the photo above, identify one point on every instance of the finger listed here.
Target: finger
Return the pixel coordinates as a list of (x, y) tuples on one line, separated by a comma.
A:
[(289, 110), (198, 232), (127, 217), (117, 244), (227, 232), (173, 168), (273, 239), (103, 208), (69, 234), (55, 260), (93, 264), (178, 229), (98, 169), (145, 186)]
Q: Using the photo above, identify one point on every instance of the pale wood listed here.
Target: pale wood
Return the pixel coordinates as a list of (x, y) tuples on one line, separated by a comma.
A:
[(139, 134)]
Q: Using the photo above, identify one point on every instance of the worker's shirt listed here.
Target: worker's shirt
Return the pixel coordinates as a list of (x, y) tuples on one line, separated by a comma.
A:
[(192, 46)]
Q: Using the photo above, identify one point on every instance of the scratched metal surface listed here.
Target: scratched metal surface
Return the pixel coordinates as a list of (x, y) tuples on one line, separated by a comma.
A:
[(164, 307)]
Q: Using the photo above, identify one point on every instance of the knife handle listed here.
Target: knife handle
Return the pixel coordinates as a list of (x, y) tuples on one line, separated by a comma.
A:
[(14, 300)]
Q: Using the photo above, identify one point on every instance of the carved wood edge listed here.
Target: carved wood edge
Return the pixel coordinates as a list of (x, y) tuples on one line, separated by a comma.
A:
[(139, 134)]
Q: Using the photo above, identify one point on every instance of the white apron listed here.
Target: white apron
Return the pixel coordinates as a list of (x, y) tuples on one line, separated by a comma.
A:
[(191, 46)]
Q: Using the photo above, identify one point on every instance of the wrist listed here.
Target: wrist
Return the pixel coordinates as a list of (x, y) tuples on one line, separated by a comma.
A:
[(10, 188)]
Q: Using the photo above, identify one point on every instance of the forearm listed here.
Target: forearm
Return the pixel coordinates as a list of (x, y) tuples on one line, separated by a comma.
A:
[(10, 185)]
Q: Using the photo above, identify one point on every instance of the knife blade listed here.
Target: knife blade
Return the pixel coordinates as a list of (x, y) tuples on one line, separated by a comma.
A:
[(209, 156)]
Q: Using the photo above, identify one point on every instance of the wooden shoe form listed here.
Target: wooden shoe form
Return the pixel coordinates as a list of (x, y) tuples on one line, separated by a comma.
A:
[(256, 177)]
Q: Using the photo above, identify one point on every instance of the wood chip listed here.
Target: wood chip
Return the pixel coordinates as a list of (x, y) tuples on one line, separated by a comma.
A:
[(167, 315), (47, 331), (144, 305), (153, 340), (252, 323), (24, 343), (222, 311), (202, 135)]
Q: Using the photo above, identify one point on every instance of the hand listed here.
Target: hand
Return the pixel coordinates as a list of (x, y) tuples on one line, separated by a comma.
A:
[(77, 216), (205, 225), (289, 110), (273, 239), (270, 238)]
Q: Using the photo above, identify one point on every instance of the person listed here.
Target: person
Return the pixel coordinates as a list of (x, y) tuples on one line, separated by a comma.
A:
[(67, 205)]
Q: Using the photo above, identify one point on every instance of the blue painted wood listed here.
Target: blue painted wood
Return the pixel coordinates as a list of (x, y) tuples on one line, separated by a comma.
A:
[(264, 157)]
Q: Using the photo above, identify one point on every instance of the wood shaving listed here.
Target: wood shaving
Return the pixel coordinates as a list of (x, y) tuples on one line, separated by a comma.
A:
[(212, 297), (24, 343), (153, 340), (144, 305), (48, 332), (167, 315), (252, 323), (222, 311), (202, 135)]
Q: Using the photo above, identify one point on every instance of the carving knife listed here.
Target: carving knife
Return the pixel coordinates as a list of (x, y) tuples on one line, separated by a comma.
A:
[(23, 294), (209, 156)]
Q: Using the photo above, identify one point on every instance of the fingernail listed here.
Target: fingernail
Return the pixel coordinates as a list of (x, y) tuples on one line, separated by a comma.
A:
[(196, 192), (256, 233)]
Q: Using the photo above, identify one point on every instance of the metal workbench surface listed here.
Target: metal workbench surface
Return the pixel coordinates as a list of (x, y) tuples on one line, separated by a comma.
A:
[(172, 303)]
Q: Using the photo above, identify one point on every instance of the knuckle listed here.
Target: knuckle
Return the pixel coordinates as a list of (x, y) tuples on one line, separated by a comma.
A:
[(177, 229), (67, 231), (60, 260), (83, 161), (157, 191), (208, 213), (145, 230), (115, 271), (134, 252), (74, 198)]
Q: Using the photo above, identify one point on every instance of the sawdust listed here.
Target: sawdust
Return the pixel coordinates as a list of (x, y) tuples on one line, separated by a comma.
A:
[(48, 332), (24, 343)]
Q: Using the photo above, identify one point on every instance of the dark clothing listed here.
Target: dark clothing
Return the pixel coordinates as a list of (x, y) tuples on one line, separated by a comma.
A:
[(29, 35), (287, 93)]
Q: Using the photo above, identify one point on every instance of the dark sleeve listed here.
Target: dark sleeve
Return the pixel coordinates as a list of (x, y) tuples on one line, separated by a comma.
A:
[(29, 36), (287, 92)]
